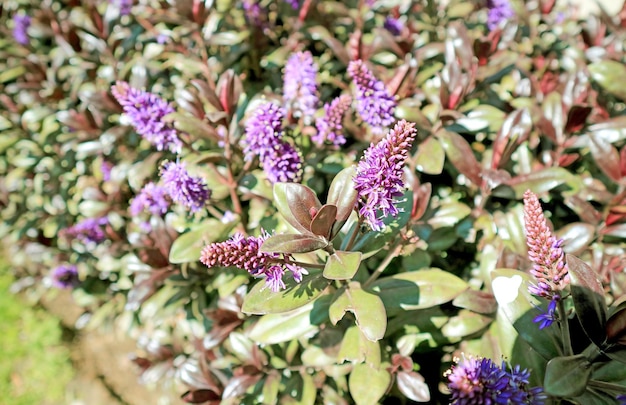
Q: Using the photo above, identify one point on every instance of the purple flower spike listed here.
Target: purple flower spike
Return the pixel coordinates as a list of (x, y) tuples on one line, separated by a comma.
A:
[(373, 101), (548, 318), (146, 112), (183, 188), (329, 127), (379, 174), (151, 198), (480, 381), (21, 23), (65, 276), (499, 12), (244, 253), (89, 230), (393, 25), (283, 164), (254, 13), (264, 131), (300, 88)]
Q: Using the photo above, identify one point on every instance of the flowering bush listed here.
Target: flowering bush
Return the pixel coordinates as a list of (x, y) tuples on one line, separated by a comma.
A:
[(324, 201)]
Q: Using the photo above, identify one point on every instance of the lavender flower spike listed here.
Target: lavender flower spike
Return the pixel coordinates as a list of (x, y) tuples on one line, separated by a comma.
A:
[(300, 89), (379, 174), (244, 253), (65, 276), (264, 131), (474, 381), (283, 164), (89, 230), (329, 127), (183, 188), (21, 23), (544, 250), (146, 112), (373, 101), (152, 198), (499, 12)]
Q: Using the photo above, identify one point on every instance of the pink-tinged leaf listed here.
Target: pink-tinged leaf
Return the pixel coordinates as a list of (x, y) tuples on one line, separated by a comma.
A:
[(576, 118), (576, 236), (229, 89), (412, 385), (588, 297), (421, 199), (201, 397), (293, 243), (622, 161), (342, 193), (295, 203), (460, 155), (554, 113), (238, 386), (478, 301), (616, 326), (207, 92), (323, 221), (606, 156), (544, 180), (514, 131), (193, 126)]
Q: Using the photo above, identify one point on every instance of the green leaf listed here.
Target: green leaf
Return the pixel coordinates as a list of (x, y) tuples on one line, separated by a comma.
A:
[(342, 193), (430, 156), (588, 296), (368, 310), (187, 247), (342, 265), (609, 75), (292, 243), (616, 325), (464, 324), (418, 289), (544, 180), (323, 221), (294, 202), (278, 328), (367, 384), (271, 387), (308, 393), (510, 288), (355, 348), (195, 127), (460, 155), (567, 376), (261, 300)]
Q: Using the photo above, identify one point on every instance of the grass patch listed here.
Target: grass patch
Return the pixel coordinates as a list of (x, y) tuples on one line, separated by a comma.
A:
[(35, 365)]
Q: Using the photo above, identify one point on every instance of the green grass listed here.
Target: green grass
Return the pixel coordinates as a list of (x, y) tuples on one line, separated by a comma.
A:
[(35, 365)]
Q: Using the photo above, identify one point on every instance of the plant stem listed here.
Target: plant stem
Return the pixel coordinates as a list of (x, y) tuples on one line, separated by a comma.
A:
[(393, 252), (567, 343), (354, 234)]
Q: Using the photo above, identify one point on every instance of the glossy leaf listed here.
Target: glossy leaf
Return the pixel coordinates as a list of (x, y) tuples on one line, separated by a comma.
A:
[(293, 243), (606, 156), (368, 309), (567, 376), (295, 203), (278, 328), (187, 247), (616, 325), (476, 301), (464, 324), (609, 74), (588, 296), (356, 348), (367, 384), (323, 221), (342, 265), (430, 156), (418, 289), (514, 131), (192, 125), (412, 385), (460, 155), (544, 180), (261, 300), (576, 236), (342, 193)]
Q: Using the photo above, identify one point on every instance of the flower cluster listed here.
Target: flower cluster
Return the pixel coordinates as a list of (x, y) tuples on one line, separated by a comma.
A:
[(146, 112), (393, 25), (499, 11), (21, 23), (183, 188), (479, 381), (279, 159), (89, 230), (65, 276), (151, 198), (255, 14), (244, 253), (293, 3), (300, 88), (373, 101), (123, 5), (379, 174), (329, 126)]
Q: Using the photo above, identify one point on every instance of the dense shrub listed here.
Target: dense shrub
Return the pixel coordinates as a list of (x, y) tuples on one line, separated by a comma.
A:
[(323, 201)]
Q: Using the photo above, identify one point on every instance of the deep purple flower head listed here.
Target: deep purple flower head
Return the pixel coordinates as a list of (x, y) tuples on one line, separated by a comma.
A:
[(255, 14), (379, 174), (283, 164), (393, 25), (373, 101), (546, 319), (89, 230), (244, 253), (183, 188), (329, 127), (300, 88), (21, 22), (480, 381), (65, 276), (123, 5), (499, 11), (264, 131), (152, 198), (621, 399), (293, 3), (146, 112), (544, 250)]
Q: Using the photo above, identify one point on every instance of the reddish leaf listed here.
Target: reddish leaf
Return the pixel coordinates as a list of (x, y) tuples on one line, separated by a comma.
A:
[(294, 202), (606, 156), (293, 243), (514, 131), (323, 221), (461, 155)]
